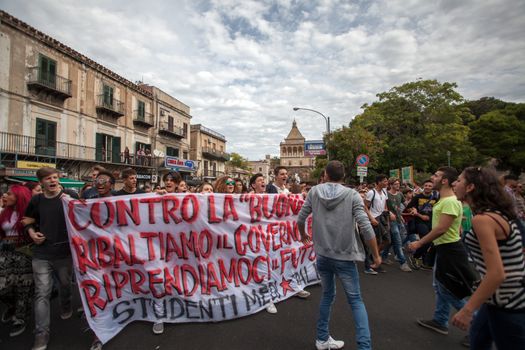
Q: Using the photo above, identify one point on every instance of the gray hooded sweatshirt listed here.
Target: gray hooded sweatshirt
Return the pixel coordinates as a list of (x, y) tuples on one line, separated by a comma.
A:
[(336, 209)]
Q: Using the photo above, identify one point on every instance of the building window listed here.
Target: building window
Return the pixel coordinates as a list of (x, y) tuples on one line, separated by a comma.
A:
[(47, 70), (260, 169), (205, 168), (170, 123), (142, 154), (141, 110), (290, 163), (300, 162), (107, 148), (185, 154), (185, 130), (108, 95), (172, 152), (45, 141)]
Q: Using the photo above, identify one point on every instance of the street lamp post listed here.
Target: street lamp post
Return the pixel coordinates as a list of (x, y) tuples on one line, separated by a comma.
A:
[(327, 119)]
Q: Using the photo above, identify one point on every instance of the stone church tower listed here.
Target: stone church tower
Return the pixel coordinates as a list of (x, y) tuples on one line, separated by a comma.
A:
[(292, 154)]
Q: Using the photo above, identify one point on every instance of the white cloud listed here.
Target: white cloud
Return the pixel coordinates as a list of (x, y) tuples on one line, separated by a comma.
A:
[(242, 65)]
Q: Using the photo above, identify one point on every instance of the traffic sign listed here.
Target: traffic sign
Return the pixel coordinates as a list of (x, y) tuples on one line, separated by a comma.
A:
[(362, 171), (362, 160)]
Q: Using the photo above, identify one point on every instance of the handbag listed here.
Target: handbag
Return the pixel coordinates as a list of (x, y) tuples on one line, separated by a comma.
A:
[(454, 271)]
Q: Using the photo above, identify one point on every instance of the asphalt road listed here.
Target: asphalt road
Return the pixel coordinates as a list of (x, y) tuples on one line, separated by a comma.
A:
[(393, 300)]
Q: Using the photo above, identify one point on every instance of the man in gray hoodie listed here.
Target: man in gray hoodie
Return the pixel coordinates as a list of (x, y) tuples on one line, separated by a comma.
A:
[(336, 209)]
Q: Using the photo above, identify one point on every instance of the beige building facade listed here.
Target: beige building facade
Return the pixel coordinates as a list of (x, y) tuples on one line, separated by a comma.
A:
[(292, 154), (172, 138), (61, 108), (262, 166), (208, 148)]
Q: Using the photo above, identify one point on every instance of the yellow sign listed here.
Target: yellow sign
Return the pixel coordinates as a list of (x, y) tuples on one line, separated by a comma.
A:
[(33, 165)]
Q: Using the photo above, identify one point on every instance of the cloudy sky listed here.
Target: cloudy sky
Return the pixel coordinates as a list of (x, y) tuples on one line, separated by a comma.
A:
[(242, 65)]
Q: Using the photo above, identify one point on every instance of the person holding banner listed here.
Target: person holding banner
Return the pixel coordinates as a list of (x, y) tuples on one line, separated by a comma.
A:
[(281, 177), (45, 222), (171, 182), (336, 209), (258, 186), (240, 187), (279, 186), (92, 192), (129, 177), (205, 188), (224, 184), (103, 183)]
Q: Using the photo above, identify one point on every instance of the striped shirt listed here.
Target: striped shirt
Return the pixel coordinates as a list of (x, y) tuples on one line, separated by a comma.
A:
[(511, 293)]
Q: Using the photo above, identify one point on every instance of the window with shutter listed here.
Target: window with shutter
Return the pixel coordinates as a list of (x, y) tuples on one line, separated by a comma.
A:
[(45, 137), (108, 96), (141, 110), (47, 70)]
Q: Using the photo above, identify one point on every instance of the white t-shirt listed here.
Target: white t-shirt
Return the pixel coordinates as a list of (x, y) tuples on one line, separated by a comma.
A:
[(281, 190), (8, 226), (378, 205)]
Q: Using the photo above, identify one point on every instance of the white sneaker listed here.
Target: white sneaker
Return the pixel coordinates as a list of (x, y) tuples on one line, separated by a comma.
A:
[(158, 328), (303, 294), (331, 343), (405, 268), (270, 308)]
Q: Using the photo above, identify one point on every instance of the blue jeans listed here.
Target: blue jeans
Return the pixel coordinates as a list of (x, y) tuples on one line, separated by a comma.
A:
[(43, 275), (395, 234), (495, 325), (444, 300), (347, 272)]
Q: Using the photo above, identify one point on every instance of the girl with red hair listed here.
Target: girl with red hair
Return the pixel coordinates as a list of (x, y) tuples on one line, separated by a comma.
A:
[(16, 274)]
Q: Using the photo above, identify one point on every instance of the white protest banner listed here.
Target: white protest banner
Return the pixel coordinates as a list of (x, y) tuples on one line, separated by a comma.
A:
[(185, 257)]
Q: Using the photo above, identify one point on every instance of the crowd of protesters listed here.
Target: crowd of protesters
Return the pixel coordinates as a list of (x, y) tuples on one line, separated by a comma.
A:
[(469, 226)]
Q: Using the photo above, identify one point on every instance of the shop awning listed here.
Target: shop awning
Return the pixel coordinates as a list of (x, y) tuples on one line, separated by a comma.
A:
[(64, 181)]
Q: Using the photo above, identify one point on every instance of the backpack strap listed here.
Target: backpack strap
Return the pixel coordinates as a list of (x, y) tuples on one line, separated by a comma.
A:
[(373, 197)]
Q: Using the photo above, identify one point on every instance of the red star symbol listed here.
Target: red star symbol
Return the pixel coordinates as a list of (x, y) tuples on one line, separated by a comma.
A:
[(285, 285)]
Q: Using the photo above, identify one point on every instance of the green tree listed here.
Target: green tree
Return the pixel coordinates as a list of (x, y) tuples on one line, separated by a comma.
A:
[(499, 135), (485, 105), (349, 142), (320, 164), (238, 161), (417, 123)]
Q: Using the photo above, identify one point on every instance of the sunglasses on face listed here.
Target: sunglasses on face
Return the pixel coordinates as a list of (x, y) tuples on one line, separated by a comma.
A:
[(230, 182), (102, 181)]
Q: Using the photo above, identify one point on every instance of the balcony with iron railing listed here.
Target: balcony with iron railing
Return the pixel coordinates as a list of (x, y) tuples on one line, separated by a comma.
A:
[(171, 130), (209, 132), (110, 106), (40, 80), (141, 118), (215, 154), (40, 146)]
